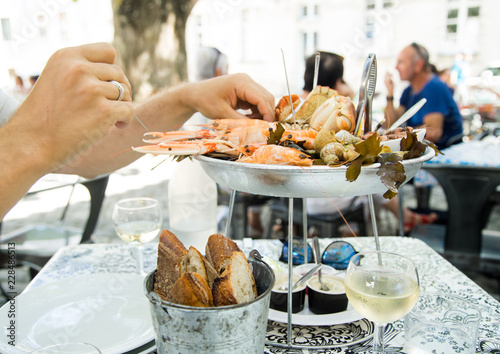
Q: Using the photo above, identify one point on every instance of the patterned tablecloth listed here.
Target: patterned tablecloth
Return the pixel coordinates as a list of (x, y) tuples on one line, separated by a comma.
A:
[(480, 153), (436, 274)]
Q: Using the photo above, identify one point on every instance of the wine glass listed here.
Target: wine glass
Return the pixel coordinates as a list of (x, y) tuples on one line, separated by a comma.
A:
[(137, 220), (383, 287)]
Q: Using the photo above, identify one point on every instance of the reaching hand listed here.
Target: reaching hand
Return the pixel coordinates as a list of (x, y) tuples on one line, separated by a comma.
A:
[(221, 96), (74, 104)]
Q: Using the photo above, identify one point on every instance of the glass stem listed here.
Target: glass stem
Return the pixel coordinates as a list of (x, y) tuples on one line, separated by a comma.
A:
[(139, 267), (378, 338)]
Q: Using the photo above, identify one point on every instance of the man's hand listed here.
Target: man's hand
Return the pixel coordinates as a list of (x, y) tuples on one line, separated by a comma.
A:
[(222, 96), (74, 104), (389, 84)]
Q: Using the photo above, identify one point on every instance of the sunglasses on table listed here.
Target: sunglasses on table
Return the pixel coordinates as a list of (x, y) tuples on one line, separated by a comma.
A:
[(337, 254)]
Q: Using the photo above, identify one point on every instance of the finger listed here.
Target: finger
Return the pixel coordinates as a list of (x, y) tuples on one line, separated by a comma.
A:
[(112, 92), (123, 114), (98, 52), (263, 100), (107, 72)]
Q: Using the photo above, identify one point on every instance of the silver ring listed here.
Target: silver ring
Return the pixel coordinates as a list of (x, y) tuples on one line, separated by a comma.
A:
[(120, 88)]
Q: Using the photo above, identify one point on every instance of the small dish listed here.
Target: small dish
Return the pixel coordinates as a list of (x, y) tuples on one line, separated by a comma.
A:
[(395, 144), (304, 268), (331, 301), (279, 298)]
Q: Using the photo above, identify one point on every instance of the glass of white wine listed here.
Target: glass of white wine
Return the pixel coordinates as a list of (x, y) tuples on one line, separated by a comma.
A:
[(137, 220), (383, 287)]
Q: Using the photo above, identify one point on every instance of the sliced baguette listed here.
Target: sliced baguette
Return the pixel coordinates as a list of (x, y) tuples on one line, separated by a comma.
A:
[(191, 289), (171, 253), (219, 250), (194, 262), (237, 284)]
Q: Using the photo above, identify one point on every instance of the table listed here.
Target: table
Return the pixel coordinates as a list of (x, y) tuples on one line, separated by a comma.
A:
[(469, 174), (436, 274)]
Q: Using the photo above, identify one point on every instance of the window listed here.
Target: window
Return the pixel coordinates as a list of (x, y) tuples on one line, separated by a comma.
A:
[(387, 4), (473, 11), (6, 32), (304, 11), (42, 25), (451, 29), (63, 26), (453, 13), (370, 4)]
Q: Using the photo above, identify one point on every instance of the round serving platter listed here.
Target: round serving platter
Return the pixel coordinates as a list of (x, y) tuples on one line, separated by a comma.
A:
[(301, 182)]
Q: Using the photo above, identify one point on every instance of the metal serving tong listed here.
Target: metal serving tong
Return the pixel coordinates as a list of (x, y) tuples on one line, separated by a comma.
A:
[(366, 92)]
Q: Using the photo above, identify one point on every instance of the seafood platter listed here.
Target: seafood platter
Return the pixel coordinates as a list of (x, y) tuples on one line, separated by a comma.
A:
[(311, 151)]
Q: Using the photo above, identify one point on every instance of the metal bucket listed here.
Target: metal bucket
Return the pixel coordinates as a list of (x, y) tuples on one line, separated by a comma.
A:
[(226, 329)]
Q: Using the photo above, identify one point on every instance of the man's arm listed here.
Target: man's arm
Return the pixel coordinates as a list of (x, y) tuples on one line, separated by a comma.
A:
[(391, 113), (434, 126), (71, 107), (168, 110)]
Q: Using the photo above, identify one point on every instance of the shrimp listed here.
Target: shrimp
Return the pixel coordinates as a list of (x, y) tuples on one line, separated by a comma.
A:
[(307, 136), (278, 155), (178, 135), (191, 147), (239, 136), (229, 124)]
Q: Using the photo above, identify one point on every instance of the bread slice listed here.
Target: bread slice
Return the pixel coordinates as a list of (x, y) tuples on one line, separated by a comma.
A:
[(171, 252), (191, 289), (219, 250), (194, 262), (237, 284)]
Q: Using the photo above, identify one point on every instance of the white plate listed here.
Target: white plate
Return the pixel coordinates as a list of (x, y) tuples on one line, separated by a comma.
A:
[(109, 311), (395, 144), (307, 318)]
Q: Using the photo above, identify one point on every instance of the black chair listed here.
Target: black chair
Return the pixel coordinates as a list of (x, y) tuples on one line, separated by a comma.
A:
[(36, 244), (327, 225)]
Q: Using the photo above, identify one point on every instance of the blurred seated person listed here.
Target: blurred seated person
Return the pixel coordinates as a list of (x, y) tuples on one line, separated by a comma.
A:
[(440, 114), (32, 79), (76, 121), (330, 73), (210, 63)]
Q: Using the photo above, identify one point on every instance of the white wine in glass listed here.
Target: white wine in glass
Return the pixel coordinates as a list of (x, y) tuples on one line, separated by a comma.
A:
[(137, 220), (383, 287)]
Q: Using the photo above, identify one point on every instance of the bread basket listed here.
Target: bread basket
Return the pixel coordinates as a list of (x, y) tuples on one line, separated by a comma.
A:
[(226, 329)]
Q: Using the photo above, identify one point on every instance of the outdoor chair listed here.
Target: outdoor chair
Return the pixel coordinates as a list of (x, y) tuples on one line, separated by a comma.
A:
[(35, 244), (327, 225)]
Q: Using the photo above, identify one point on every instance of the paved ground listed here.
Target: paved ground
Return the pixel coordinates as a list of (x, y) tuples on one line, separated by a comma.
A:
[(144, 179)]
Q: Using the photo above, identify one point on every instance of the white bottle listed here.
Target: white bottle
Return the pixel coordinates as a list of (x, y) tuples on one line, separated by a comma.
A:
[(192, 204)]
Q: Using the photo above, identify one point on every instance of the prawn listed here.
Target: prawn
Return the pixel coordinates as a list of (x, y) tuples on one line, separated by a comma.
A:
[(278, 155), (191, 147), (229, 124)]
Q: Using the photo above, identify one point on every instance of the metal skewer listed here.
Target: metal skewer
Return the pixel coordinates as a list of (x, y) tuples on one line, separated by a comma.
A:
[(316, 69), (140, 122), (288, 86)]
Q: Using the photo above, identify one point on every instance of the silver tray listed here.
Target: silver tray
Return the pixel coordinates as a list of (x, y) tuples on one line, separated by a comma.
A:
[(297, 182)]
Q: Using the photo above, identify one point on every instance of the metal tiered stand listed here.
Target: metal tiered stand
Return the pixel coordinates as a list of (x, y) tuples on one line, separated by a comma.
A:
[(296, 182), (311, 182)]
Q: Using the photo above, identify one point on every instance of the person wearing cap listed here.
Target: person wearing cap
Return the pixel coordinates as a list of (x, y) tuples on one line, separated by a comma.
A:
[(440, 114)]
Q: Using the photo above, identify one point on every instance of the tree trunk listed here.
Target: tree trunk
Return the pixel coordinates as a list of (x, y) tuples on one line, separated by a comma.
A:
[(150, 41)]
